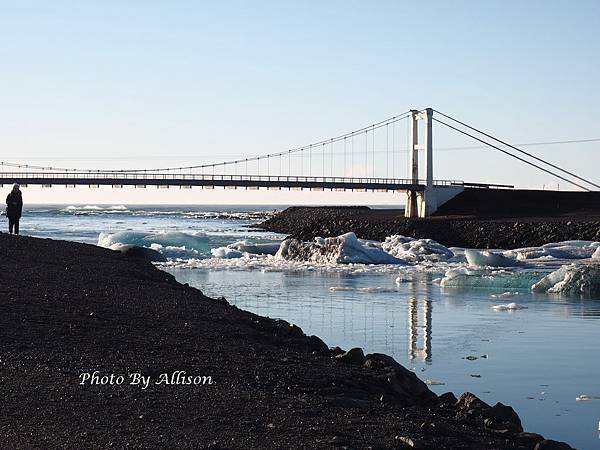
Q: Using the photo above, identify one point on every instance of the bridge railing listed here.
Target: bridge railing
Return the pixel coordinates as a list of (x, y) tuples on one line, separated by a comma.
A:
[(141, 176)]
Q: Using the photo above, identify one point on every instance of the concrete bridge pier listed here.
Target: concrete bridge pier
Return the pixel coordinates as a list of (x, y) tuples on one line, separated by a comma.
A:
[(423, 203)]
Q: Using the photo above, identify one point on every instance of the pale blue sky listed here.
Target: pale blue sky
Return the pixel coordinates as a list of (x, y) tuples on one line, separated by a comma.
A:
[(145, 83)]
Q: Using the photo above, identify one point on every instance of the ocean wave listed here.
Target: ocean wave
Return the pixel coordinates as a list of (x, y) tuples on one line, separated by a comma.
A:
[(95, 209)]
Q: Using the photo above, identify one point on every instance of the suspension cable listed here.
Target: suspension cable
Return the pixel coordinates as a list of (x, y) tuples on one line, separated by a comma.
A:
[(512, 155), (519, 150)]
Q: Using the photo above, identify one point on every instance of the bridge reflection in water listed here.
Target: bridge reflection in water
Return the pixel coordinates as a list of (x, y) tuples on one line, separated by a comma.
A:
[(419, 319), (340, 309)]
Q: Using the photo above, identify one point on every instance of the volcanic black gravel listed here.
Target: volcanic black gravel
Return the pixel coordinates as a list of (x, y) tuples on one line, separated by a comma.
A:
[(70, 308), (308, 222)]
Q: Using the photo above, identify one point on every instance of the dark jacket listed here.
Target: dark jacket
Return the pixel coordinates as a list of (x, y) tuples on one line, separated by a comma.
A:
[(14, 205)]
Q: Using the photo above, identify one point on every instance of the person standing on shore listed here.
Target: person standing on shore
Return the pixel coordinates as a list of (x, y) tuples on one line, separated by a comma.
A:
[(14, 208)]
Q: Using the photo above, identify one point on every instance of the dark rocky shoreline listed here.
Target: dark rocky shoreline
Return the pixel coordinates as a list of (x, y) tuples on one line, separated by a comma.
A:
[(308, 222), (72, 308)]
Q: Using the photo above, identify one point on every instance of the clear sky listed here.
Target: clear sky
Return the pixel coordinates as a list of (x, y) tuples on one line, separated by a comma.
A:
[(113, 84)]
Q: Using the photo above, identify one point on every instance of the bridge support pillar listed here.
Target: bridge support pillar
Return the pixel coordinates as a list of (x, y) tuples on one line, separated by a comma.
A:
[(425, 201), (421, 203)]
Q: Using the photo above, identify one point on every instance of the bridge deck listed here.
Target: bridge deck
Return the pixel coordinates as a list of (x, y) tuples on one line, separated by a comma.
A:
[(248, 181)]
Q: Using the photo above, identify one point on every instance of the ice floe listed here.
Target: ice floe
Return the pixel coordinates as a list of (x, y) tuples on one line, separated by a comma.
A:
[(245, 248), (161, 241), (343, 249), (571, 279), (490, 278), (576, 249), (366, 290), (485, 258), (508, 307), (416, 250)]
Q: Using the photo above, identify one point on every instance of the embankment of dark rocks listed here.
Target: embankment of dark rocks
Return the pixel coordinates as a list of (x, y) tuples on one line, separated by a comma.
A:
[(72, 309), (308, 222)]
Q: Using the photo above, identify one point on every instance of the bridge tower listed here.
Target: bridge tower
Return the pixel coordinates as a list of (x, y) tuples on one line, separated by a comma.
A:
[(424, 202)]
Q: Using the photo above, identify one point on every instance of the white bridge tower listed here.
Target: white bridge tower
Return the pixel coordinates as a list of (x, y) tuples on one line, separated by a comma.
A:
[(423, 203)]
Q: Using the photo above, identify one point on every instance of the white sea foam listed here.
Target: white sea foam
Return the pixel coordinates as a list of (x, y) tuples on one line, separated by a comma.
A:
[(94, 209)]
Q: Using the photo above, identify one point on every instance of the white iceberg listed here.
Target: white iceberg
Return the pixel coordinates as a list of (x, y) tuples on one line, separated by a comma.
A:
[(265, 248), (571, 279), (192, 242), (344, 249), (416, 250), (485, 258), (490, 278), (576, 249)]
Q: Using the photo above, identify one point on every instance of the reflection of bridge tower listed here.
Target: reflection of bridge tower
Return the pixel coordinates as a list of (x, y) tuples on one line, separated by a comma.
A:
[(419, 320)]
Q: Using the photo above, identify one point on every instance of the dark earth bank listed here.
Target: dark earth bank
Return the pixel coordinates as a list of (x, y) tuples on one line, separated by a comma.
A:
[(71, 308), (306, 223)]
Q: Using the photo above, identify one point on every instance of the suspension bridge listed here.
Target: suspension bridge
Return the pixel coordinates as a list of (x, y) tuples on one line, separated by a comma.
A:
[(366, 159)]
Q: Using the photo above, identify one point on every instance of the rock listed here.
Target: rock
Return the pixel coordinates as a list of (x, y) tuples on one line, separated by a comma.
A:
[(354, 356), (379, 360), (137, 252), (410, 442), (470, 401), (348, 402), (447, 398), (335, 351), (317, 344), (549, 444), (497, 417), (529, 439), (504, 416), (295, 331), (409, 388)]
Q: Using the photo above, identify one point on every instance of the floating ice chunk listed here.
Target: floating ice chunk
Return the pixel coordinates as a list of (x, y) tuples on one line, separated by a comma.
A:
[(192, 241), (269, 248), (596, 254), (344, 249), (576, 249), (483, 258), (571, 280), (508, 307), (488, 278), (586, 398), (506, 294), (415, 250), (245, 248), (368, 290), (226, 252), (173, 251)]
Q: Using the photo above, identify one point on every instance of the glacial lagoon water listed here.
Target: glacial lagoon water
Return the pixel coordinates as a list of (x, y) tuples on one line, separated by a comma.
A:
[(539, 358)]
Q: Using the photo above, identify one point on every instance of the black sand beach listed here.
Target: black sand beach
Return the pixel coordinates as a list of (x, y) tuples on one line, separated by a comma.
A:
[(507, 232), (71, 308)]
